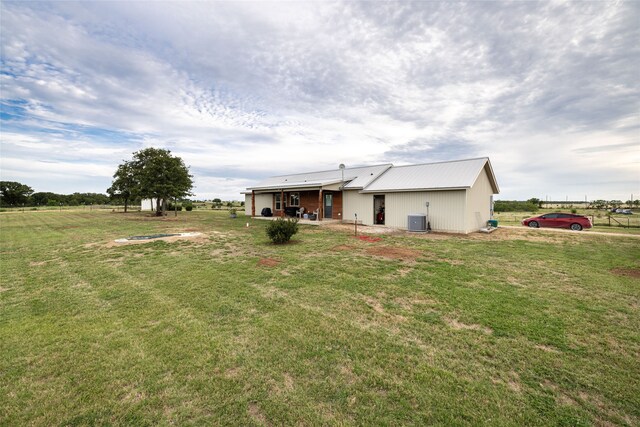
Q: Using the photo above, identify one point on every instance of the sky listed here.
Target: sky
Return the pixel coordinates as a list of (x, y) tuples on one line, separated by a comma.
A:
[(549, 91)]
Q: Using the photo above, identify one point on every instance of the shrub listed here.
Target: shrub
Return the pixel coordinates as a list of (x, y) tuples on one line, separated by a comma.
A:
[(280, 230), (189, 208), (514, 206)]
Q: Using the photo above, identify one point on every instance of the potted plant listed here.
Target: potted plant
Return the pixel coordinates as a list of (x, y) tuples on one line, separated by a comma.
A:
[(233, 213)]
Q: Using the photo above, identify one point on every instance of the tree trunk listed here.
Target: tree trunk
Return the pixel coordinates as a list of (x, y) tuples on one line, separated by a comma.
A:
[(126, 202), (158, 208)]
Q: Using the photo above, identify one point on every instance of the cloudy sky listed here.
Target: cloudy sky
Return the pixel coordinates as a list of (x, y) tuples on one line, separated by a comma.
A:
[(244, 90)]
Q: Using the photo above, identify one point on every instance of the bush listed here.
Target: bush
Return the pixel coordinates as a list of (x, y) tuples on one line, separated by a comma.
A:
[(514, 206), (280, 230), (189, 208)]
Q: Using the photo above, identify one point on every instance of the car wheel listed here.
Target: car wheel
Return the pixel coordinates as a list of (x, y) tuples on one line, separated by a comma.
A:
[(576, 227), (533, 224)]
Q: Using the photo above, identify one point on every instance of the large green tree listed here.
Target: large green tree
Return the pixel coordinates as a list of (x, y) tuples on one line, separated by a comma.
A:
[(160, 176), (125, 184), (14, 193)]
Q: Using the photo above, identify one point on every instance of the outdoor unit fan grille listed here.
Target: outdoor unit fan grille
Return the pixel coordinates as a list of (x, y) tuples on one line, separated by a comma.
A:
[(417, 222)]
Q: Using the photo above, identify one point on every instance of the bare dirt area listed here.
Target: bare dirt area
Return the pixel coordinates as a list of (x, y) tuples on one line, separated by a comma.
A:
[(394, 252), (194, 237), (268, 262), (627, 272)]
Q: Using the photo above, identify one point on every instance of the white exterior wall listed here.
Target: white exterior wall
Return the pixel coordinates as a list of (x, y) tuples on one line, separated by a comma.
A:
[(446, 209), (356, 203), (247, 204), (148, 204), (262, 201), (479, 203)]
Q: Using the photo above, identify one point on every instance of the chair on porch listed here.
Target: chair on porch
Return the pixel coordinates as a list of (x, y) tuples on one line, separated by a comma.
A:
[(300, 213)]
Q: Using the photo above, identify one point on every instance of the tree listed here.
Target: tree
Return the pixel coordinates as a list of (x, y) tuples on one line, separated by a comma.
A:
[(124, 185), (160, 176), (14, 193), (600, 204), (535, 201)]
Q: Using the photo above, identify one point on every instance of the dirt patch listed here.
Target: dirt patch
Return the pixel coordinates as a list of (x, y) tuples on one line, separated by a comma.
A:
[(457, 325), (547, 348), (395, 252), (256, 413), (627, 272), (37, 263), (374, 304), (268, 262), (232, 372), (199, 238)]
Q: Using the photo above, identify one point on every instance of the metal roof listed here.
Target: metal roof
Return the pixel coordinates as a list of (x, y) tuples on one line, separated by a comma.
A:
[(457, 174), (356, 178)]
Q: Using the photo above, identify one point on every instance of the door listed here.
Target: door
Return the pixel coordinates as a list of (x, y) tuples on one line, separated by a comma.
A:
[(328, 205), (378, 209)]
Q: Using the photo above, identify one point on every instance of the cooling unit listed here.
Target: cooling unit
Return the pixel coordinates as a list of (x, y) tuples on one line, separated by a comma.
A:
[(417, 222)]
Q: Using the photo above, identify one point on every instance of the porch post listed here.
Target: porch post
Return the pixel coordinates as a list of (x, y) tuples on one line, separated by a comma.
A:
[(282, 203), (320, 206), (253, 203)]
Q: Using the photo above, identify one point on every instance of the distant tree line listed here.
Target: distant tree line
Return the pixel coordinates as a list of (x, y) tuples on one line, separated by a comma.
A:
[(14, 194), (530, 205)]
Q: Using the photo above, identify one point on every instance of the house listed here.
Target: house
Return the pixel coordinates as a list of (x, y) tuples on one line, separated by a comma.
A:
[(455, 196)]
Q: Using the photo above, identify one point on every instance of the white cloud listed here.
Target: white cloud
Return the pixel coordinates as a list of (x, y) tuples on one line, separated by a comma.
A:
[(253, 89)]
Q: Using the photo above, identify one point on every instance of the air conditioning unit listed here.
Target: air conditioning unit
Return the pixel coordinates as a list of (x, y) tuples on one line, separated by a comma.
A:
[(417, 222)]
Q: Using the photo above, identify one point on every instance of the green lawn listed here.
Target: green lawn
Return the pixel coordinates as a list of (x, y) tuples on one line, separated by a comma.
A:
[(511, 328)]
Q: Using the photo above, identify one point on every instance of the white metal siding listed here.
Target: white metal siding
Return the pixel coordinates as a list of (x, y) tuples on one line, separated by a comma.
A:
[(148, 204), (479, 203), (262, 201), (361, 204), (247, 204), (446, 209)]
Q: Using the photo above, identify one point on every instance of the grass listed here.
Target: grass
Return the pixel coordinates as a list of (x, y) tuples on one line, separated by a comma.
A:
[(511, 328)]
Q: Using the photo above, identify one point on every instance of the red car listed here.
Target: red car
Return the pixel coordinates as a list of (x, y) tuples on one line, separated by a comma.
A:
[(559, 220)]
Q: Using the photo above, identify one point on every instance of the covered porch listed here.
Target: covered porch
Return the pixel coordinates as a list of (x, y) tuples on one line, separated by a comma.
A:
[(319, 204)]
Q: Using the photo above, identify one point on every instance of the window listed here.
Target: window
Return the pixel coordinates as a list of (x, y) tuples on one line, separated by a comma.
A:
[(278, 202), (294, 199)]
